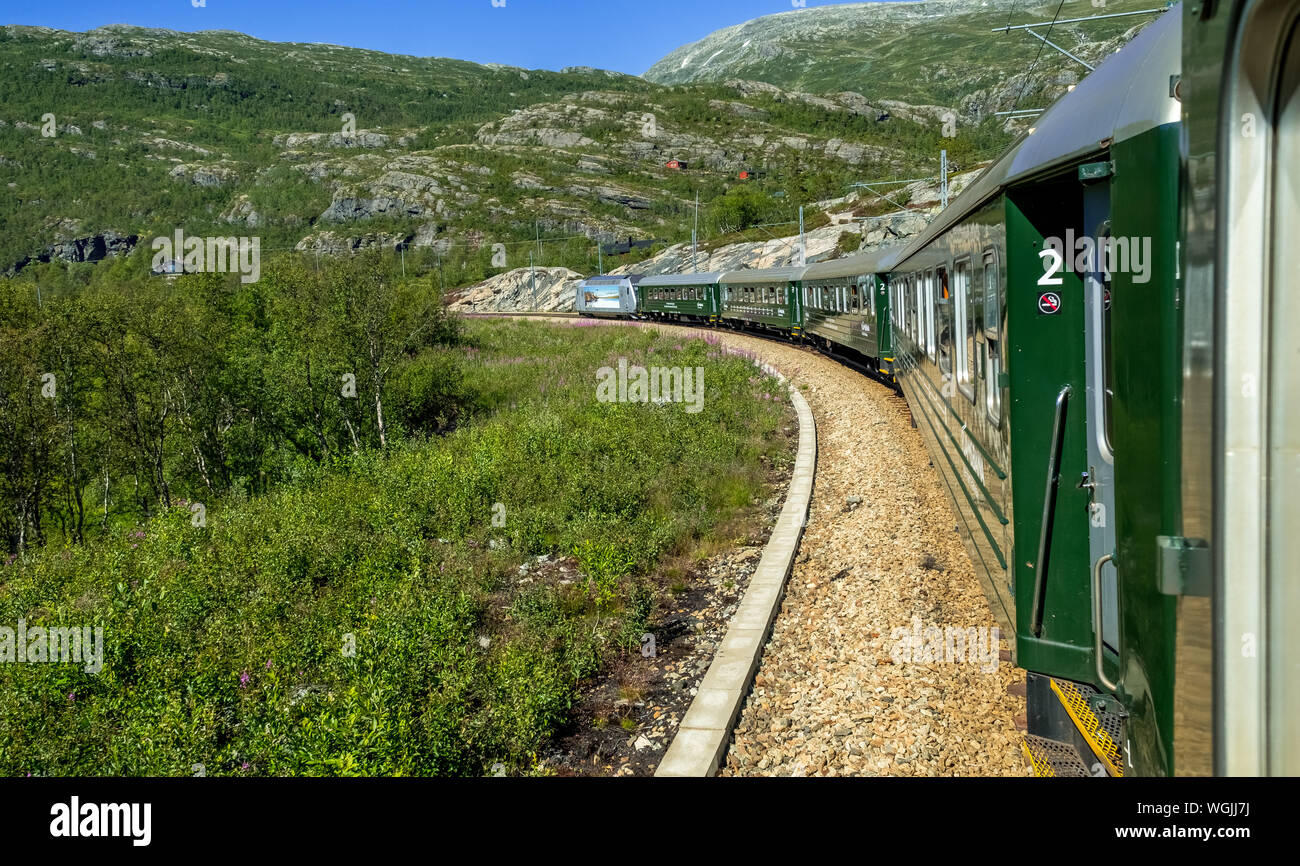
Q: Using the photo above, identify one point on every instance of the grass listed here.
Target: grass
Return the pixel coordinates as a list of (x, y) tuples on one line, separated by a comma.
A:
[(336, 625)]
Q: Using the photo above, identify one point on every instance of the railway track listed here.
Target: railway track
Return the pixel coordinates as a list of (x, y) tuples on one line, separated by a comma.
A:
[(838, 691)]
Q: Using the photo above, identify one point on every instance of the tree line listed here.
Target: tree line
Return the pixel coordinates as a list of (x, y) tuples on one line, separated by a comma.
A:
[(120, 398)]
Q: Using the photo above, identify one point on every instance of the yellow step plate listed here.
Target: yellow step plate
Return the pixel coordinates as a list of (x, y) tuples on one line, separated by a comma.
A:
[(1051, 759), (1101, 736)]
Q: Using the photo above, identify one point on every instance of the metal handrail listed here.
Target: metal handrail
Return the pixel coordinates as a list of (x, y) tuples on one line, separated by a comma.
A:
[(1096, 622), (1049, 510)]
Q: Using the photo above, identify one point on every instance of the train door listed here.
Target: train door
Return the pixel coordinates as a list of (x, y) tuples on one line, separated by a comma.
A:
[(1099, 478)]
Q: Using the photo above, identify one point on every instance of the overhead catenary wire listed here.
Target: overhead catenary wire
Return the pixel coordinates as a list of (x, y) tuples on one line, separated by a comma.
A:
[(1034, 65)]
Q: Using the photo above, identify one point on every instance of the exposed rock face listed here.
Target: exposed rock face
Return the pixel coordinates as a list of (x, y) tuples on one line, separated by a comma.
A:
[(241, 211), (546, 290), (89, 248), (328, 243), (348, 208), (358, 139), (93, 248), (204, 175)]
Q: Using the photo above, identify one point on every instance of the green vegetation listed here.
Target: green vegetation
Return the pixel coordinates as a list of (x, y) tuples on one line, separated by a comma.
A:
[(347, 608), (157, 131), (938, 53)]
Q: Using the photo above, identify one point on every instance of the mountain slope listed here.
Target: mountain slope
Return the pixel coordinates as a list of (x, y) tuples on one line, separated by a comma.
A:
[(326, 149), (934, 52)]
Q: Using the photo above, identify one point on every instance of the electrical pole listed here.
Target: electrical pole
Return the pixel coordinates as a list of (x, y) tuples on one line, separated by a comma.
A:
[(803, 243), (943, 177), (534, 270), (695, 232)]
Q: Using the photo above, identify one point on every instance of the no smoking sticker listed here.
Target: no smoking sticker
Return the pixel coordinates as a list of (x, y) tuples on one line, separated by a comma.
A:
[(1049, 303)]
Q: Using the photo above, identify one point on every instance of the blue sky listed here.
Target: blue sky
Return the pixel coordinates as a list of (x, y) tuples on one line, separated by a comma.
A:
[(626, 35)]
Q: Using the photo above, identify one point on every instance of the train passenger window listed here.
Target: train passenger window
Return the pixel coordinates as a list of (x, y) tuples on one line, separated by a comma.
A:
[(944, 342), (964, 332), (918, 292), (994, 311), (930, 332), (914, 312), (918, 332), (992, 290), (855, 305)]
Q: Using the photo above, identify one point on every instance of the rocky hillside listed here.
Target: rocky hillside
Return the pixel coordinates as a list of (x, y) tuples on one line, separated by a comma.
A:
[(554, 289), (125, 133), (115, 136), (936, 52)]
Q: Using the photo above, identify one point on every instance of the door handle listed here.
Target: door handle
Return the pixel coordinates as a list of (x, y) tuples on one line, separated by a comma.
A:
[(1097, 620)]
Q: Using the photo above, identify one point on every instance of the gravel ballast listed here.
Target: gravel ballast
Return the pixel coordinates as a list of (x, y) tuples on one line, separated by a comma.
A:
[(848, 684)]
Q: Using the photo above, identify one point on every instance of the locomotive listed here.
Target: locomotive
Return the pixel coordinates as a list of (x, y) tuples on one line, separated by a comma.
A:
[(1096, 342)]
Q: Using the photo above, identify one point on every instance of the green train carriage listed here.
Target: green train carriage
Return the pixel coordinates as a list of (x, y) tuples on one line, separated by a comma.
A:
[(846, 305), (1041, 381), (763, 299), (679, 297)]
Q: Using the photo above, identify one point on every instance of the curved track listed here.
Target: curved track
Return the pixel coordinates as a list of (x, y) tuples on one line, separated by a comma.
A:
[(836, 692)]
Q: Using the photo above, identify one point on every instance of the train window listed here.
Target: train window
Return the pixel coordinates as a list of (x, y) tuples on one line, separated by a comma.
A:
[(992, 291), (964, 332), (944, 338), (928, 314), (855, 305), (993, 314), (918, 308)]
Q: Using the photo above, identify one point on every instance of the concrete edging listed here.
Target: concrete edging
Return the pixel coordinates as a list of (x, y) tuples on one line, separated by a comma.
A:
[(705, 730)]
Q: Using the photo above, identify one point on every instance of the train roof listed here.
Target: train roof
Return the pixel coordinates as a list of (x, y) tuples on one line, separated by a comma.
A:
[(748, 276), (1126, 95), (873, 262), (705, 279)]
